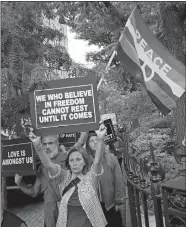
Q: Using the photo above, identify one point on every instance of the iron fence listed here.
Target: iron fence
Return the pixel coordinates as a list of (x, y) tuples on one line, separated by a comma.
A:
[(148, 191)]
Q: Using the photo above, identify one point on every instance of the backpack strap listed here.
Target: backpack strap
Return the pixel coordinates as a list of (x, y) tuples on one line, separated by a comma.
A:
[(72, 183)]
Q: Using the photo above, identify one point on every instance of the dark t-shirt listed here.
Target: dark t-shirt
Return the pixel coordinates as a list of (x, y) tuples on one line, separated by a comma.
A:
[(76, 215), (11, 220), (74, 199)]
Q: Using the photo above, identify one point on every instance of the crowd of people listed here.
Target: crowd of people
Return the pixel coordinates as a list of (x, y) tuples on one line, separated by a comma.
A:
[(82, 187)]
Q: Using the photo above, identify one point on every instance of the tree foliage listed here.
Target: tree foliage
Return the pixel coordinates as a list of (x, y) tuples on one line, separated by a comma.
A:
[(27, 47), (129, 106), (26, 40), (102, 27), (99, 23)]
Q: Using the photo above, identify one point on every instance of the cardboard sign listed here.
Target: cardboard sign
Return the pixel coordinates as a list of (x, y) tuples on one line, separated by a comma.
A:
[(111, 116), (110, 136), (65, 106), (18, 156), (69, 139)]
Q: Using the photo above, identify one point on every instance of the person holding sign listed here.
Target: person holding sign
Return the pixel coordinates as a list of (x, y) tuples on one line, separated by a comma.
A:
[(111, 188), (79, 206), (50, 145)]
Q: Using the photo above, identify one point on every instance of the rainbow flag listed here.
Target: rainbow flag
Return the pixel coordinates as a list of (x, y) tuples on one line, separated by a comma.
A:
[(141, 53)]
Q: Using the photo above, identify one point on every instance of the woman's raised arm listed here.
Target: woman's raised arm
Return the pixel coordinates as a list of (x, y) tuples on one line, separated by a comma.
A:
[(100, 149)]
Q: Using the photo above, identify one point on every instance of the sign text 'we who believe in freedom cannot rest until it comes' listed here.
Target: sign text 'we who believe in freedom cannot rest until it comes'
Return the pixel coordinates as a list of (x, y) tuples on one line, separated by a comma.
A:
[(65, 106)]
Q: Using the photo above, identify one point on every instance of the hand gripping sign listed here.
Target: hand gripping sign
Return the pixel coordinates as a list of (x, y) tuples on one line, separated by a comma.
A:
[(18, 156), (65, 106)]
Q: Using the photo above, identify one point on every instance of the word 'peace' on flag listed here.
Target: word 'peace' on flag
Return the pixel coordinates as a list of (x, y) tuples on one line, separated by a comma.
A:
[(141, 53)]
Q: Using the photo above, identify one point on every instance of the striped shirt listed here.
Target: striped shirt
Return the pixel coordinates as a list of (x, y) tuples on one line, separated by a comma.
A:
[(87, 192)]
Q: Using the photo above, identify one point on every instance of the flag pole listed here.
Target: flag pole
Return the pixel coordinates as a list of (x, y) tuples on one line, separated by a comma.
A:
[(107, 68), (114, 53)]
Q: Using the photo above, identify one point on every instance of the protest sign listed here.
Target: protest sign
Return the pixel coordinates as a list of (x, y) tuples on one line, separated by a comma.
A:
[(18, 156), (110, 136), (111, 116), (69, 139), (64, 106)]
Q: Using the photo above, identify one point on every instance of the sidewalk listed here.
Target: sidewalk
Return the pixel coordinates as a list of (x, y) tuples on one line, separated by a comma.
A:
[(32, 214)]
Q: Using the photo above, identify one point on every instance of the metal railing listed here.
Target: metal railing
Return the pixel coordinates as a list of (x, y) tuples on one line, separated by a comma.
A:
[(144, 185)]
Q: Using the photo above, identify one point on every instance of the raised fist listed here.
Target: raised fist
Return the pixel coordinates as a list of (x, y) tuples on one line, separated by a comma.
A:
[(35, 140), (101, 132), (18, 179)]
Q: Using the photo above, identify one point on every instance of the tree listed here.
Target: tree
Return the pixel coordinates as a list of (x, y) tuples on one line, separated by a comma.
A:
[(128, 107), (101, 29), (28, 55), (172, 33), (103, 26), (78, 70)]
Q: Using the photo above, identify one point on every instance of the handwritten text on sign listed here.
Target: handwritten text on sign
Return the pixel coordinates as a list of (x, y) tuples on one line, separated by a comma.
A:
[(18, 158), (64, 106)]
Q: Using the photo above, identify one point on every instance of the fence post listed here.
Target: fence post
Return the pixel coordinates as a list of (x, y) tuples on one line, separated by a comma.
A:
[(165, 205), (132, 204), (155, 189), (136, 193), (145, 209)]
